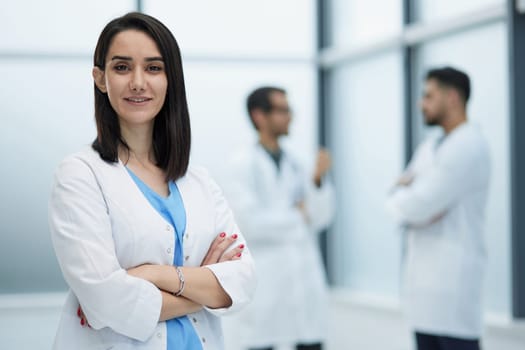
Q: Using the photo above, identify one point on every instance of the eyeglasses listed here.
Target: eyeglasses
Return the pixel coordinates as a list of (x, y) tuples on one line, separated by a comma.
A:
[(281, 110)]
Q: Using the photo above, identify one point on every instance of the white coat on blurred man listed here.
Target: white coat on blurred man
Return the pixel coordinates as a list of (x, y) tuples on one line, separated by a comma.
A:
[(441, 199), (281, 209)]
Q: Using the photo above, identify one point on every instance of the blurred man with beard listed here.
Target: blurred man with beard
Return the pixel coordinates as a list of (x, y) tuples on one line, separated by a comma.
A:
[(440, 199)]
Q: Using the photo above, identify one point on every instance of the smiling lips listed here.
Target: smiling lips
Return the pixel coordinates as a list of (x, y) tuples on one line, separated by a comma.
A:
[(138, 99)]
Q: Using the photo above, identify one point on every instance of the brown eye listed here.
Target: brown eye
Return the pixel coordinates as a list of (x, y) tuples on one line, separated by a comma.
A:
[(121, 67), (155, 68)]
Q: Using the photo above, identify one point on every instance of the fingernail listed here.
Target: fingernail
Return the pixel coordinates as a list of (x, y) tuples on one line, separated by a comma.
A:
[(241, 246), (239, 255), (78, 311), (82, 322), (234, 236), (222, 235)]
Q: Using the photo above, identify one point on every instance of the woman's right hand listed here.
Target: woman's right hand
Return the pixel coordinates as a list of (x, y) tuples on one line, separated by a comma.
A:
[(217, 252), (83, 319)]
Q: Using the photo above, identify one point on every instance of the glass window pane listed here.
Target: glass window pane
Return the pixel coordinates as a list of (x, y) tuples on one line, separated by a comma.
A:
[(487, 68), (56, 25), (239, 27), (431, 10), (366, 136), (217, 101), (358, 22), (47, 113)]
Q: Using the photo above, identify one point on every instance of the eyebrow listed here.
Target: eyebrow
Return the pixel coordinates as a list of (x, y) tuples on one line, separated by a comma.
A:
[(127, 58)]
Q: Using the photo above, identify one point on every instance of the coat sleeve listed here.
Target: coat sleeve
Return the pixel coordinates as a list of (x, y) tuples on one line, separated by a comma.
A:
[(236, 277), (459, 169), (81, 232), (320, 204)]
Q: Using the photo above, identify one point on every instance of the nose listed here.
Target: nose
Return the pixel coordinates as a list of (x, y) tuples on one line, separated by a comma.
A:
[(137, 81)]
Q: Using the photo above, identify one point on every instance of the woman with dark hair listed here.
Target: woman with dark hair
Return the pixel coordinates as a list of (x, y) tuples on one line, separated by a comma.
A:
[(147, 244)]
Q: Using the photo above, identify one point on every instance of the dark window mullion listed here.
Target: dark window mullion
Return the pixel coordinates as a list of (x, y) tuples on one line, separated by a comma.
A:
[(516, 33), (408, 78), (323, 119)]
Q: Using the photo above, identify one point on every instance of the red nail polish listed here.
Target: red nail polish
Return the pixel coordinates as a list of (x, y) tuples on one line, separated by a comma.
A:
[(234, 236), (78, 311), (222, 235), (239, 255), (82, 322), (241, 246)]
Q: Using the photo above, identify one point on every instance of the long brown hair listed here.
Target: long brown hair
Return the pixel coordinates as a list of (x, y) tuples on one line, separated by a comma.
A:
[(171, 130)]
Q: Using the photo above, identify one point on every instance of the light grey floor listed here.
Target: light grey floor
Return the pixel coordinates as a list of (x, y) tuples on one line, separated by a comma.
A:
[(353, 327), (368, 328), (22, 329)]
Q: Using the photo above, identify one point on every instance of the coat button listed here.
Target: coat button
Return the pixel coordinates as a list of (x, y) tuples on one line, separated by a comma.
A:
[(159, 335), (194, 320), (168, 250), (168, 228), (204, 340), (186, 257)]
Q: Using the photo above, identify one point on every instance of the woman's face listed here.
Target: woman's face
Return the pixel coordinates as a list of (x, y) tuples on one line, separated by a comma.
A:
[(134, 78)]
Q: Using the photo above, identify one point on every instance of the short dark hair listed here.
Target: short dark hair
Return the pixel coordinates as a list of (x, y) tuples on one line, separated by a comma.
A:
[(453, 78), (260, 99), (171, 130)]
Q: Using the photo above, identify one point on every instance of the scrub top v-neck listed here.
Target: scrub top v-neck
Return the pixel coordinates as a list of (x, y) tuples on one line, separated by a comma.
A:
[(181, 334)]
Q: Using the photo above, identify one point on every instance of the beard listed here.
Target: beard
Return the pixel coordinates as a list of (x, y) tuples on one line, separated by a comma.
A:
[(280, 131), (433, 120)]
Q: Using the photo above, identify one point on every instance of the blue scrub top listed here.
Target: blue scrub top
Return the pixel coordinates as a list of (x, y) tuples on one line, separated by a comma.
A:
[(181, 334)]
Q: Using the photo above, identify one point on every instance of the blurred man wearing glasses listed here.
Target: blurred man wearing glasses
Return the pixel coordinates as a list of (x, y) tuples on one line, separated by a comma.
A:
[(280, 210)]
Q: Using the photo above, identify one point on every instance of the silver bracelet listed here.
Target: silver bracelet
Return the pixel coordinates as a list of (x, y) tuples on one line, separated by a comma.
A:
[(181, 281)]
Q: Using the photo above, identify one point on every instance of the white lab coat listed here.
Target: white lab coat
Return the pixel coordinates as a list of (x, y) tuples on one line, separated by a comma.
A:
[(101, 224), (290, 302), (444, 210)]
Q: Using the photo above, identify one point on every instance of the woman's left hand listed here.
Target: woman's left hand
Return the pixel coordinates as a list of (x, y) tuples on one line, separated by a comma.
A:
[(217, 251)]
